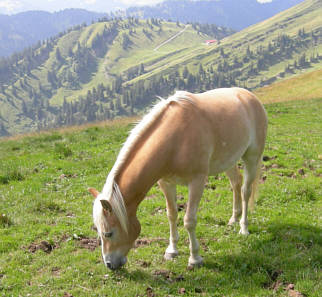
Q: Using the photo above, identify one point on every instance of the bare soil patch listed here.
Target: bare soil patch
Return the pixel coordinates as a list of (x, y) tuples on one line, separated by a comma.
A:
[(89, 243), (147, 241), (43, 245)]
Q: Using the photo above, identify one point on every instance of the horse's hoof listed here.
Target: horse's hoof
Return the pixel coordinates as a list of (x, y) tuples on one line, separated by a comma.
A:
[(232, 222), (243, 232), (195, 262), (170, 256)]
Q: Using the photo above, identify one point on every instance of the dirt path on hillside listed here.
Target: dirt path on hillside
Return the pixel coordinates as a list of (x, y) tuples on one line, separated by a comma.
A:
[(171, 38)]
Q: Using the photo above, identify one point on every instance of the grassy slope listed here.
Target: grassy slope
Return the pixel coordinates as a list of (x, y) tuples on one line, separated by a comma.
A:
[(301, 87), (304, 15), (46, 200)]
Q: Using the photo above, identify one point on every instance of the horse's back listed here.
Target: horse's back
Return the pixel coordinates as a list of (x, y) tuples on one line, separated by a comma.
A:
[(213, 132), (234, 109)]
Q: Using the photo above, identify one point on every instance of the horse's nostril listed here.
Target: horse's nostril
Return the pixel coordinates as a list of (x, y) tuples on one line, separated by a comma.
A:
[(108, 264)]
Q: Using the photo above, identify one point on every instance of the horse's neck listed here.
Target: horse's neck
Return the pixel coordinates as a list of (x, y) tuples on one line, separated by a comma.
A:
[(143, 170)]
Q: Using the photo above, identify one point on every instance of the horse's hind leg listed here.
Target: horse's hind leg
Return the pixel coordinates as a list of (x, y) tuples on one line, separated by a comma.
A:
[(169, 191), (252, 169), (235, 179), (196, 187)]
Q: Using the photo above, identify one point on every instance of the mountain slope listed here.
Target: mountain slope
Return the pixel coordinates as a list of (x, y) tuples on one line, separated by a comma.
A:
[(234, 14), (117, 68), (301, 87), (27, 28)]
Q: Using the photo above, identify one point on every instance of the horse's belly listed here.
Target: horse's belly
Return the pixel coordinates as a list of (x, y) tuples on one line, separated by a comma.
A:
[(224, 160), (177, 179)]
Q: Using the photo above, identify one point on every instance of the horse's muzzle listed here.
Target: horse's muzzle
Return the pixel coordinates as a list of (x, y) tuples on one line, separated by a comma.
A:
[(114, 264)]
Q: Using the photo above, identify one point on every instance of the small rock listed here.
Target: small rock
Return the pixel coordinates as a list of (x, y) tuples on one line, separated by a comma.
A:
[(180, 277), (182, 206), (149, 292), (266, 158), (75, 236), (182, 291), (294, 293), (301, 171), (162, 272), (46, 246), (144, 264), (290, 287), (190, 267)]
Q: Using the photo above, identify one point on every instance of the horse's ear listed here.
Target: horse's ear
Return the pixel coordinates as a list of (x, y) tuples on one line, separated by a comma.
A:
[(93, 191), (106, 205)]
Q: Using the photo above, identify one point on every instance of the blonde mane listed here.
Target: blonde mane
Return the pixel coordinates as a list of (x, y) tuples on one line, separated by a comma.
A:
[(111, 191)]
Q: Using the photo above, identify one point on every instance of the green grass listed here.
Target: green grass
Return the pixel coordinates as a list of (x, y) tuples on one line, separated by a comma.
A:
[(45, 214)]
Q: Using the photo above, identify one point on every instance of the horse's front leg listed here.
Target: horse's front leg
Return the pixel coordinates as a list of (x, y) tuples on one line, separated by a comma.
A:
[(190, 219), (169, 191)]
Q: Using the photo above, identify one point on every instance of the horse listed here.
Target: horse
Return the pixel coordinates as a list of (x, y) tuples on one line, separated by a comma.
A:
[(183, 139)]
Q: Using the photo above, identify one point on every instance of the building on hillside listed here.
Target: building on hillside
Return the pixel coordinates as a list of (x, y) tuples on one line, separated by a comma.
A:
[(211, 41)]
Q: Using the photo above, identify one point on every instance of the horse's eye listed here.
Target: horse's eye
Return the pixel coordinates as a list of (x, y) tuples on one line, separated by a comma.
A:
[(108, 234)]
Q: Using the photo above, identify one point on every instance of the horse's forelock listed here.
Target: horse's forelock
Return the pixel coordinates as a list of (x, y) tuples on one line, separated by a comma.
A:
[(116, 201), (118, 207)]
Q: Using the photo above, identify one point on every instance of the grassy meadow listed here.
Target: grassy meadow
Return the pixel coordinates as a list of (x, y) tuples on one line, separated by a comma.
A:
[(48, 246)]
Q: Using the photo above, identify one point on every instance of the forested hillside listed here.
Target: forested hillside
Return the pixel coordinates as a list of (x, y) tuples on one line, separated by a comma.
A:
[(78, 76), (118, 67)]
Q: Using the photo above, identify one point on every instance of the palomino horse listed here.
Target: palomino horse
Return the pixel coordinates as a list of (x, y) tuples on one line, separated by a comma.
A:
[(181, 140)]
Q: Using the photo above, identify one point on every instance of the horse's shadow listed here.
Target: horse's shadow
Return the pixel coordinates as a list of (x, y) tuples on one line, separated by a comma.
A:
[(281, 254)]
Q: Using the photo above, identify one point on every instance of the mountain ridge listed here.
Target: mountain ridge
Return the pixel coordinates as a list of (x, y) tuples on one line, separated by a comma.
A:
[(27, 28), (234, 14)]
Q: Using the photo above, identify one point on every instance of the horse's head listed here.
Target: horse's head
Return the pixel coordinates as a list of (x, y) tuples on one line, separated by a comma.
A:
[(116, 237)]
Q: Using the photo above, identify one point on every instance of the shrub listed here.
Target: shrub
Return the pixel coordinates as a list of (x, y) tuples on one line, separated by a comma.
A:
[(12, 175), (5, 221), (62, 150)]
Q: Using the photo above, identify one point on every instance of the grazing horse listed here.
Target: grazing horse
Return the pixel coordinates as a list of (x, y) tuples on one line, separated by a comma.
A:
[(183, 139)]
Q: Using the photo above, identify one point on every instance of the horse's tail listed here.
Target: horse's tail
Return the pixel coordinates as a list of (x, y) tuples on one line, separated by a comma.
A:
[(254, 194)]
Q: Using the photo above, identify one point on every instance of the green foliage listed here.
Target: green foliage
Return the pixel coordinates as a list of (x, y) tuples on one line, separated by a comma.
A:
[(45, 206), (11, 175)]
